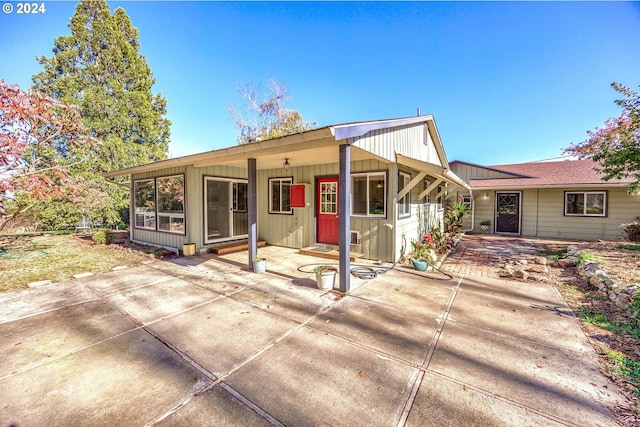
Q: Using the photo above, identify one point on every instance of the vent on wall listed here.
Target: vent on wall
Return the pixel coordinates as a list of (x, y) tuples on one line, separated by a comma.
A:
[(355, 237)]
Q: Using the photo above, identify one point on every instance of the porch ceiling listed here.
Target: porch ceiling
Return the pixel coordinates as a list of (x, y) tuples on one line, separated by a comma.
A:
[(297, 158), (308, 148)]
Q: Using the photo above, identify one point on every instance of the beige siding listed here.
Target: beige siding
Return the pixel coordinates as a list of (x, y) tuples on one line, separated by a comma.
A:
[(194, 211), (298, 230), (412, 141), (164, 239), (543, 214), (622, 208), (380, 238), (468, 172)]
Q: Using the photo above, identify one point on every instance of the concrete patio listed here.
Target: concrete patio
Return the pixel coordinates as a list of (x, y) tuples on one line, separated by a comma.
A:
[(202, 341)]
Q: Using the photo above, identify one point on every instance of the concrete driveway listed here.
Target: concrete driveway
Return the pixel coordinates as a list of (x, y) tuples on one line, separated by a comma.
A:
[(201, 341)]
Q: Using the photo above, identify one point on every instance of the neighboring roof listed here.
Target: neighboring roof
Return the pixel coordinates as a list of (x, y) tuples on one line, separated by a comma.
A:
[(565, 173)]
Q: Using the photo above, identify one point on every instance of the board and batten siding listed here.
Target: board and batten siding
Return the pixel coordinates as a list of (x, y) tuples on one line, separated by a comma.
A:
[(413, 141), (543, 214), (469, 172), (193, 204), (298, 230), (621, 208), (159, 238)]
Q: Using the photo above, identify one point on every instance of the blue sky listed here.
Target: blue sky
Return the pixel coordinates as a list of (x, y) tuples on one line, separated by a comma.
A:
[(507, 82)]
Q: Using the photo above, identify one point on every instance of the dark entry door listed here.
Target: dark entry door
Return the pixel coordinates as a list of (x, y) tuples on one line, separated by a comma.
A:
[(327, 210), (508, 213)]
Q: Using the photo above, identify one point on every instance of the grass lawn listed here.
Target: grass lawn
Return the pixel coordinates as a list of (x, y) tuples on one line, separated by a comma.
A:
[(32, 258)]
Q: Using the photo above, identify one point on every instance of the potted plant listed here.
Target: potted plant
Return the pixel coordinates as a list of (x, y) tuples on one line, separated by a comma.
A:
[(259, 265), (421, 253), (325, 276), (189, 249), (485, 224)]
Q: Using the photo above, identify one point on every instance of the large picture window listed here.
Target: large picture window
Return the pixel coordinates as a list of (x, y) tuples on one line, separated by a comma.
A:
[(404, 204), (585, 203), (170, 196), (279, 202), (144, 196), (368, 192)]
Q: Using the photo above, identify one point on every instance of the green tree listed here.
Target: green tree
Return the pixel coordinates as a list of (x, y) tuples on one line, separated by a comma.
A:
[(265, 115), (99, 68), (616, 147)]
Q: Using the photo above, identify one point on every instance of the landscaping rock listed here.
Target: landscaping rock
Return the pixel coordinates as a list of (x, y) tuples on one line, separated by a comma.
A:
[(568, 262), (540, 260), (521, 274), (39, 283), (537, 269)]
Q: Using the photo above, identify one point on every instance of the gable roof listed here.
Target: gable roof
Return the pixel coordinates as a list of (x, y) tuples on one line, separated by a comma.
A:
[(272, 151), (567, 173)]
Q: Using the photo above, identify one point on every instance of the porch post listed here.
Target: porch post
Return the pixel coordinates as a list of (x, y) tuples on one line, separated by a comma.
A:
[(252, 208), (344, 217)]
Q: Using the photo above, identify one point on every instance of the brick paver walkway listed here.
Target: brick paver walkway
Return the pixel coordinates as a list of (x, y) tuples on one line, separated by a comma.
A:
[(485, 255)]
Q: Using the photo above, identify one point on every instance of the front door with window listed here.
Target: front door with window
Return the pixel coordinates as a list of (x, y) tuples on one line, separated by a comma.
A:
[(508, 213), (327, 210)]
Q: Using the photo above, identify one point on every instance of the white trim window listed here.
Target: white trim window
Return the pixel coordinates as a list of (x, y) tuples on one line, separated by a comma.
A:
[(144, 200), (369, 194), (467, 201), (279, 196), (427, 199), (585, 203), (170, 197), (404, 204)]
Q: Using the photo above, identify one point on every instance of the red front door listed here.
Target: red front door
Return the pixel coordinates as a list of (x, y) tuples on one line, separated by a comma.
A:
[(327, 210)]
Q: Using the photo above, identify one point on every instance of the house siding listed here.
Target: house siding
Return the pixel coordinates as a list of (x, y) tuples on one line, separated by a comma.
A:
[(543, 214), (413, 141), (469, 172), (621, 208)]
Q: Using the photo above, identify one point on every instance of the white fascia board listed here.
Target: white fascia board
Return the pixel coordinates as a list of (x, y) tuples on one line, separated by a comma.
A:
[(355, 130)]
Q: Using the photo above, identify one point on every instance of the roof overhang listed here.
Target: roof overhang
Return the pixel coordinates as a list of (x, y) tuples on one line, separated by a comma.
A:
[(305, 148), (434, 170), (597, 186)]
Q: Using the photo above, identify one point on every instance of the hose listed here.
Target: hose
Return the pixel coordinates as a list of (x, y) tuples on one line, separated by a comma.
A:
[(368, 272)]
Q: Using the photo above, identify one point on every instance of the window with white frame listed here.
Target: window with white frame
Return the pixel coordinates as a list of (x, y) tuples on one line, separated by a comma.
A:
[(368, 194), (170, 196), (279, 202), (467, 201), (585, 203), (404, 204), (144, 199), (425, 185)]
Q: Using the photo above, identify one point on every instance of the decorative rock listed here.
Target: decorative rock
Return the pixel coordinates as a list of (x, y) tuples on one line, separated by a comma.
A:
[(521, 274), (81, 275), (523, 262), (119, 267), (593, 270), (39, 283), (540, 260), (568, 262), (538, 269)]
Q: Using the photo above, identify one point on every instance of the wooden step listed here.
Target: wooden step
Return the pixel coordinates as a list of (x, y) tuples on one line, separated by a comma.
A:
[(235, 247), (327, 253)]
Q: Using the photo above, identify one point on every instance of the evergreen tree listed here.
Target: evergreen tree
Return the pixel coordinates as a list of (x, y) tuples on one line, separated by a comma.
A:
[(99, 68)]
